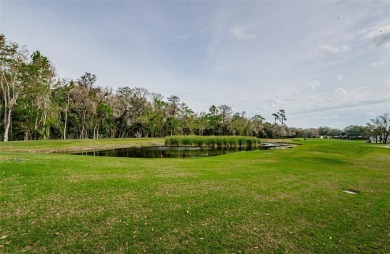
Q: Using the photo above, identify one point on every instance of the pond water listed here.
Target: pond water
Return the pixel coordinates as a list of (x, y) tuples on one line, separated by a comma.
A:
[(171, 152)]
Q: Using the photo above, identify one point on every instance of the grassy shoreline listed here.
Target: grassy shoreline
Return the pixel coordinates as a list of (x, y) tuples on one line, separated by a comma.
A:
[(74, 145), (284, 201)]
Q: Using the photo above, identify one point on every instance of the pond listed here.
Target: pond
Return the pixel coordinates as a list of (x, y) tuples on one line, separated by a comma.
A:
[(173, 152)]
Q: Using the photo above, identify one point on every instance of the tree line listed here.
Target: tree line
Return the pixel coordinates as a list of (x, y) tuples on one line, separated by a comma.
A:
[(36, 104), (376, 131)]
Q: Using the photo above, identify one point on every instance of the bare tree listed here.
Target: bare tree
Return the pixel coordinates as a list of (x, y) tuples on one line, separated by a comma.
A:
[(382, 126)]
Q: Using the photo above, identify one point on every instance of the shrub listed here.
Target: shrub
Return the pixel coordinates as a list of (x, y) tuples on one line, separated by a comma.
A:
[(212, 141)]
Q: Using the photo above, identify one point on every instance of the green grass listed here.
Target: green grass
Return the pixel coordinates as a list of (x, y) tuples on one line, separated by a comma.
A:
[(50, 146), (275, 201)]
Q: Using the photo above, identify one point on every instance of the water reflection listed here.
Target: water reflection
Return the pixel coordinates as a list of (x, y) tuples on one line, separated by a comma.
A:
[(168, 152)]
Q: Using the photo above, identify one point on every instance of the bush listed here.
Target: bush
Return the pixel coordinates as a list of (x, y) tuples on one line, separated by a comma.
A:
[(212, 141)]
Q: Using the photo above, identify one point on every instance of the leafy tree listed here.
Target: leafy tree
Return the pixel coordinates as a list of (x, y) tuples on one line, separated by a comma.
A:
[(61, 94), (225, 111), (213, 121), (355, 132), (324, 131), (82, 107), (173, 105), (104, 112), (201, 123), (240, 125), (157, 115), (281, 117), (257, 126), (303, 133), (172, 123), (271, 130), (36, 112), (132, 109), (186, 119), (13, 62)]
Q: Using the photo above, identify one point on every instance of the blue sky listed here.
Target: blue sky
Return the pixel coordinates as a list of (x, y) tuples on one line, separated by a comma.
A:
[(324, 62)]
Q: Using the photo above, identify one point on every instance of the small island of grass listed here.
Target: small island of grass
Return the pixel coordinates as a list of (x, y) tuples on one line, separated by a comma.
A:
[(213, 141)]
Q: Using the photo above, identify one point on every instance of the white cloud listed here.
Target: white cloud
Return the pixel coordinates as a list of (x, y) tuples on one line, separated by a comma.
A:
[(380, 35), (330, 50), (241, 33), (371, 113), (383, 62), (340, 91), (313, 84), (387, 83), (206, 62), (367, 99), (332, 117), (277, 101)]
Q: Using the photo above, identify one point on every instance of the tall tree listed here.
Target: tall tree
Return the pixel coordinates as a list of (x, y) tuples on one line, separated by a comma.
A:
[(355, 132), (240, 125), (382, 126), (132, 109), (37, 110), (186, 119), (62, 91), (282, 116), (276, 116), (213, 121), (13, 62), (225, 112), (200, 123), (257, 126), (104, 113), (173, 105), (83, 103), (173, 111), (157, 116)]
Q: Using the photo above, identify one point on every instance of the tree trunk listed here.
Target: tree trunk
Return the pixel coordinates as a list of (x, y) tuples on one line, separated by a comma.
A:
[(65, 123), (83, 129), (46, 130), (7, 123), (95, 132), (66, 115), (25, 135)]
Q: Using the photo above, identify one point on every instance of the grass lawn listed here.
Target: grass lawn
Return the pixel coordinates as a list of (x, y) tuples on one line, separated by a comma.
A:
[(275, 201)]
